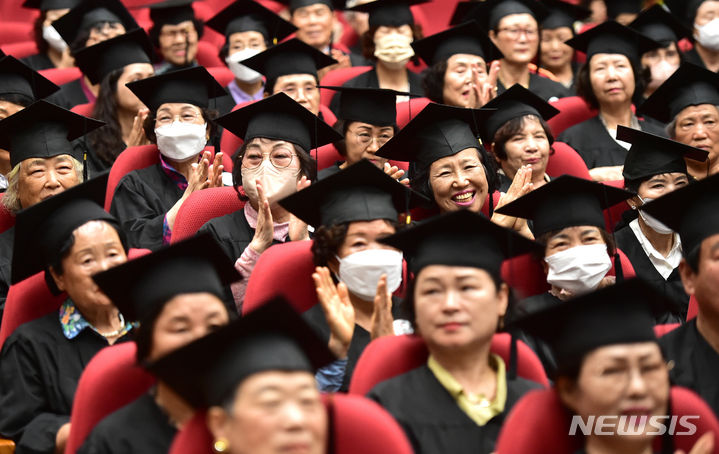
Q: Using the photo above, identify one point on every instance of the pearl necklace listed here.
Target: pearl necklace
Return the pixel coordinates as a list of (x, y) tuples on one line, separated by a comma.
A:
[(117, 331)]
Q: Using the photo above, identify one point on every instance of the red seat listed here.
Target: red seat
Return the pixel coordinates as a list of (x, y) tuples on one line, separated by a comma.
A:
[(326, 156), (352, 419), (390, 356), (14, 32), (7, 219), (337, 77), (524, 274), (13, 11), (207, 54), (566, 161), (409, 109), (222, 74), (613, 214), (113, 368), (660, 330), (84, 109), (61, 76), (693, 308), (202, 206), (539, 424), (20, 49), (572, 110), (436, 15)]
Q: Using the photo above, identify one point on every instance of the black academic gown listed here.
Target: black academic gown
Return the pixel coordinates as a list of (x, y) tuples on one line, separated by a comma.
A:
[(692, 56), (329, 171), (39, 371), (38, 62), (594, 144), (141, 200), (696, 363), (7, 239), (370, 80), (543, 87), (528, 306), (672, 287), (72, 94), (139, 427), (431, 418)]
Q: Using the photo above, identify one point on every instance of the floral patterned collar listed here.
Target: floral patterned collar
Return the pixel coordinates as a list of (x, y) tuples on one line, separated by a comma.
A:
[(73, 322)]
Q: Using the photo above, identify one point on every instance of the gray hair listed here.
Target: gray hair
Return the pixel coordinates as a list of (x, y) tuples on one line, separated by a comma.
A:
[(672, 126), (11, 198)]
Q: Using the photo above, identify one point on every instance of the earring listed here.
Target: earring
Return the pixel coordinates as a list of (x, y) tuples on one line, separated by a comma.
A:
[(221, 445)]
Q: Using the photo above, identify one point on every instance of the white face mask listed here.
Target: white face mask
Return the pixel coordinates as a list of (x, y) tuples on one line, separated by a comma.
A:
[(361, 271), (580, 269), (276, 183), (651, 221), (240, 71), (53, 38), (181, 141), (394, 49), (661, 72), (708, 34)]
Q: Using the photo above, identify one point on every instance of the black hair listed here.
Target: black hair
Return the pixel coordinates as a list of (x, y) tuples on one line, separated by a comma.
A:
[(106, 142), (17, 98), (42, 45), (433, 81)]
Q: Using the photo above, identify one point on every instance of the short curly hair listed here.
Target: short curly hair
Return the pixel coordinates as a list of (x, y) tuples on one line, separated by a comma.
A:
[(513, 127), (327, 241), (433, 81)]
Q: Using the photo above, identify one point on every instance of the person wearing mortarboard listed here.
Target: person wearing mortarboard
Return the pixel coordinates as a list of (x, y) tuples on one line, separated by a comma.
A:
[(655, 166), (513, 27), (69, 237), (689, 102), (623, 11), (176, 296), (175, 32), (273, 162), (355, 276), (459, 71), (693, 212), (53, 52), (698, 16), (457, 300), (180, 122), (610, 80)]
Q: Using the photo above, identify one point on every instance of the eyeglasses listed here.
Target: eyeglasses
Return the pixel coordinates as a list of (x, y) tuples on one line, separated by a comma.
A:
[(364, 138), (514, 33), (185, 117), (281, 159)]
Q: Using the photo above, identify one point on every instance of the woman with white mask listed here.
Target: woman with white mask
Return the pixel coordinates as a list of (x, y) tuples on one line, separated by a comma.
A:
[(53, 51), (146, 201), (702, 17), (655, 166), (352, 211)]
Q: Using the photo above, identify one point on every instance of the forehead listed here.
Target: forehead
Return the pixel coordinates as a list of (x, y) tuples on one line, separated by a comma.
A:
[(601, 58), (249, 35), (709, 6), (47, 161), (701, 110), (577, 230), (296, 79), (313, 8), (182, 25), (366, 227), (449, 271), (628, 352), (176, 106), (513, 20), (262, 142), (464, 59)]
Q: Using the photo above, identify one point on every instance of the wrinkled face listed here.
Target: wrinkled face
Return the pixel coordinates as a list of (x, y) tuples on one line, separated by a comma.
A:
[(273, 412), (517, 37), (570, 237), (42, 178), (363, 236), (554, 53), (621, 379), (529, 146), (612, 78), (315, 24), (97, 248), (185, 318), (103, 31), (178, 43), (171, 112), (463, 70), (246, 40), (457, 307), (704, 283), (7, 109), (302, 88), (125, 98), (697, 126), (660, 184), (459, 181), (362, 140)]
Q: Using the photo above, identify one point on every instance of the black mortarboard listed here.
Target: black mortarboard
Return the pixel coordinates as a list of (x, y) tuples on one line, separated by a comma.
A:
[(460, 238), (376, 106), (617, 7), (488, 13), (515, 102), (361, 192), (43, 130), (19, 79), (468, 38), (690, 85), (660, 25), (563, 14), (693, 211), (139, 286), (249, 15), (192, 86), (42, 229), (171, 12), (389, 13), (623, 313), (295, 4), (565, 202), (92, 12), (613, 38), (684, 10), (97, 61), (279, 117), (290, 57), (652, 155), (45, 5), (273, 337), (436, 132)]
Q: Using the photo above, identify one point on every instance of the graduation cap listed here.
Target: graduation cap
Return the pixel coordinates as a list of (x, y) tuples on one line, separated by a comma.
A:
[(617, 7), (290, 57), (563, 14), (279, 117), (191, 85), (436, 132), (138, 287), (652, 155), (515, 102), (389, 13), (565, 202), (97, 61), (488, 13), (16, 78), (273, 337), (376, 106), (690, 85), (42, 229), (43, 130), (693, 211), (296, 4), (249, 15), (361, 192), (684, 10), (623, 313), (92, 12), (460, 238), (171, 12), (45, 5), (468, 38), (660, 25), (613, 38)]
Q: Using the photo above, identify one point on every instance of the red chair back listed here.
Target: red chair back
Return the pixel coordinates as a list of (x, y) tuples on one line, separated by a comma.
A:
[(613, 214), (693, 307), (20, 49), (15, 32), (572, 110), (7, 219), (222, 74), (13, 11), (202, 206), (84, 109), (390, 356), (413, 107), (61, 76), (660, 330), (113, 368), (435, 15), (207, 54), (524, 274), (326, 156), (337, 77), (566, 161), (627, 267)]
